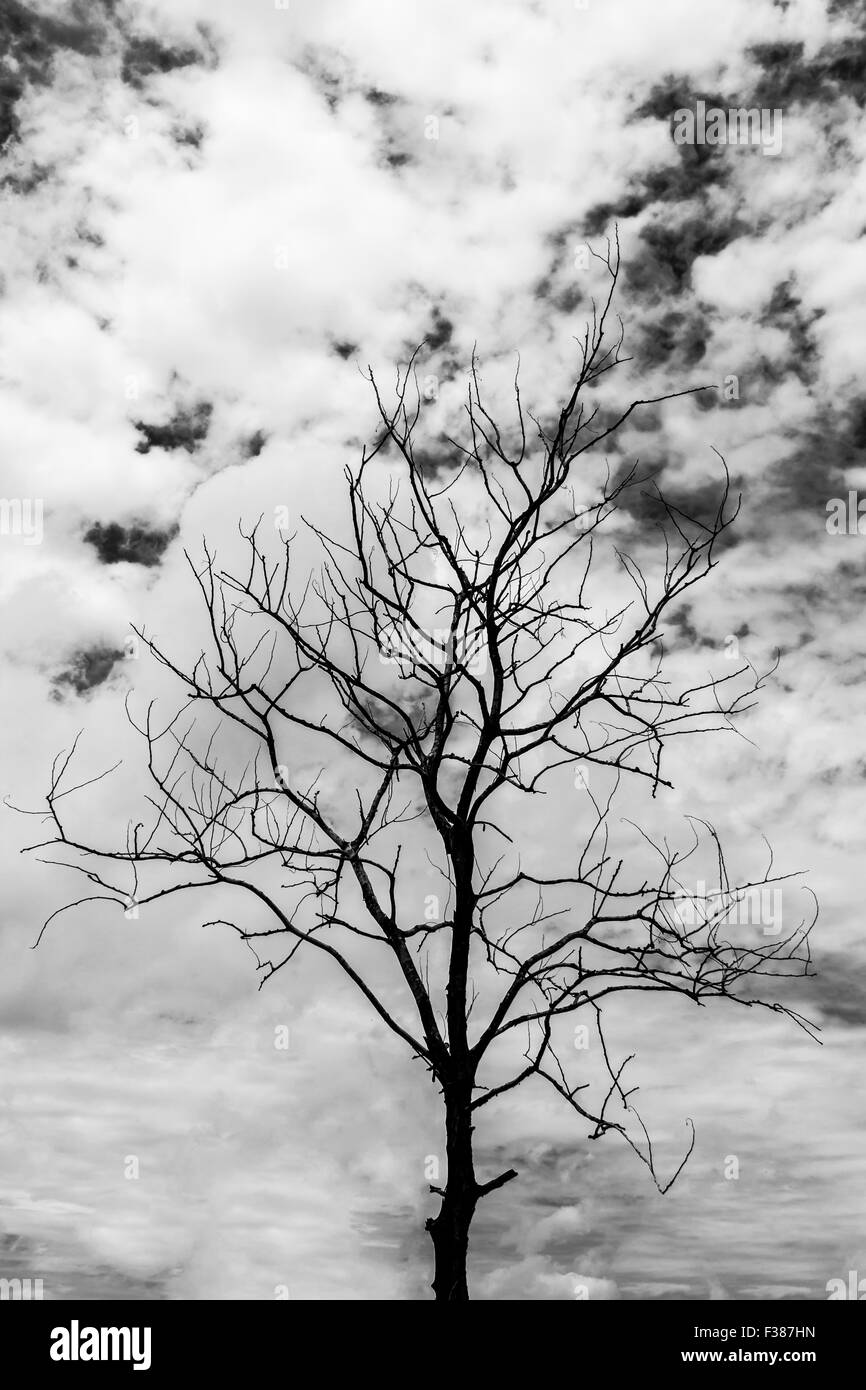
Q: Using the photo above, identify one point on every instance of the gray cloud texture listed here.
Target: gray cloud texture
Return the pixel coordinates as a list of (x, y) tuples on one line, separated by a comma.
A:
[(213, 215)]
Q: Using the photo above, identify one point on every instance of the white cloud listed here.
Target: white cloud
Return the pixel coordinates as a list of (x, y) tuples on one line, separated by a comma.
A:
[(226, 274)]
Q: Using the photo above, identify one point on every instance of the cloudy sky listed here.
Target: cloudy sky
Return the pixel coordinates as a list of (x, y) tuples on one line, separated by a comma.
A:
[(214, 215)]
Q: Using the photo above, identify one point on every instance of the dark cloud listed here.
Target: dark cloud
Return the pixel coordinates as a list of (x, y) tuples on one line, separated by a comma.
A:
[(86, 670), (696, 503), (136, 544), (192, 135), (559, 287), (674, 93), (187, 429), (784, 310), (436, 462), (440, 332), (812, 470), (28, 43), (379, 98), (838, 989), (680, 631), (789, 78), (328, 71), (697, 169), (254, 443), (676, 338), (391, 118), (88, 235), (145, 56), (709, 400), (600, 216), (565, 299), (667, 250), (856, 421), (397, 159), (23, 181)]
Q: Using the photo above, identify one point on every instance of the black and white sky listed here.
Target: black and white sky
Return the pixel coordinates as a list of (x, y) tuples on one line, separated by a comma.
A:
[(215, 215)]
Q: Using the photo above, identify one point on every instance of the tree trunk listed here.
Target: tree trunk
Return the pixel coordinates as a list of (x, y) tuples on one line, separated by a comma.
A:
[(449, 1230)]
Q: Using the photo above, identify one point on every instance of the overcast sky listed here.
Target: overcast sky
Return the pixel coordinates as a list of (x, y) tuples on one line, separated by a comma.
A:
[(214, 215)]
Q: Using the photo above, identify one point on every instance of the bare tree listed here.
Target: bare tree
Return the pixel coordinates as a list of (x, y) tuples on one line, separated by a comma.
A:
[(449, 659)]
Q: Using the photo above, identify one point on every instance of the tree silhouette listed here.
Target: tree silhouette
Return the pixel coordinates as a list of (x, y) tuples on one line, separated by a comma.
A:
[(449, 654)]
